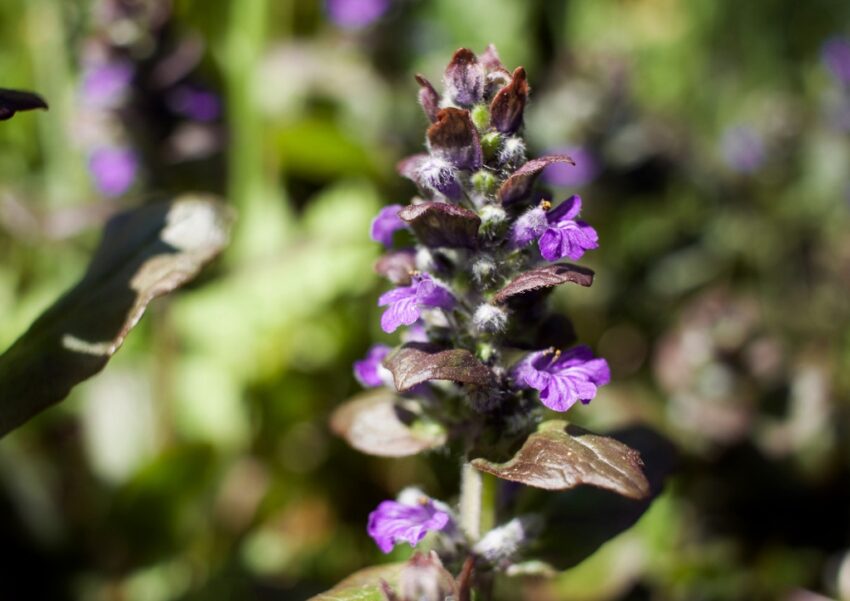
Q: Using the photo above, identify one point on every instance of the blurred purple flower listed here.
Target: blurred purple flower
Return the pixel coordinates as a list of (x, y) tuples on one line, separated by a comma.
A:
[(195, 103), (385, 224), (393, 522), (106, 85), (835, 54), (567, 236), (563, 378), (743, 149), (113, 169), (356, 14), (405, 304), (572, 176), (368, 370)]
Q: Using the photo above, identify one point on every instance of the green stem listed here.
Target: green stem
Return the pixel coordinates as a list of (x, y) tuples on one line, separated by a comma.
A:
[(477, 502)]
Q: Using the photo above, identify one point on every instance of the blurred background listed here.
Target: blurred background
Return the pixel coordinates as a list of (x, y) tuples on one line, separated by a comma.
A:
[(713, 148)]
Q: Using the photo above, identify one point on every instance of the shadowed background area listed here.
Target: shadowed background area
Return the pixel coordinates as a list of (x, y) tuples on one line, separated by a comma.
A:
[(712, 142)]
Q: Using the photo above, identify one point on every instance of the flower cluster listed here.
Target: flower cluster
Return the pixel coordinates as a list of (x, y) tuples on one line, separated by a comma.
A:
[(469, 298)]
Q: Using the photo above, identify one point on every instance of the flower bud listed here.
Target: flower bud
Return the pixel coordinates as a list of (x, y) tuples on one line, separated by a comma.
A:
[(480, 116), (438, 174), (484, 269), (464, 79), (503, 543), (512, 151), (491, 142), (507, 108), (483, 181), (490, 318), (428, 98), (424, 578)]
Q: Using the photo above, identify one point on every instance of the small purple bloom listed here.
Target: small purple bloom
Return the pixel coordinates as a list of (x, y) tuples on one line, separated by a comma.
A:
[(356, 14), (385, 224), (836, 56), (195, 103), (393, 522), (529, 227), (572, 176), (415, 333), (565, 236), (106, 85), (114, 169), (405, 304), (563, 378), (368, 370), (743, 149)]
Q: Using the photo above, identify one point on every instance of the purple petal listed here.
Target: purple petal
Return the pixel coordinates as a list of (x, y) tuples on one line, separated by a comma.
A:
[(393, 522), (567, 239), (431, 294), (106, 85), (367, 370), (584, 171), (529, 227), (385, 224), (563, 379), (113, 170), (464, 78), (402, 308), (566, 211), (195, 103), (836, 56), (356, 14)]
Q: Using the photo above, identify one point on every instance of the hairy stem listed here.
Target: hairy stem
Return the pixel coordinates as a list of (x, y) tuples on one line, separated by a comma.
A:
[(471, 488)]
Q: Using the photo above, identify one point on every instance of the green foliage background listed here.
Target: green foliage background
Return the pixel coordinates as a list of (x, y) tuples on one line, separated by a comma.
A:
[(199, 465)]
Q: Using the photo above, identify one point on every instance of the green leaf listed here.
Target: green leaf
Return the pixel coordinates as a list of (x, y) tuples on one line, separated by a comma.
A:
[(363, 585), (374, 422), (560, 456), (144, 253), (416, 363)]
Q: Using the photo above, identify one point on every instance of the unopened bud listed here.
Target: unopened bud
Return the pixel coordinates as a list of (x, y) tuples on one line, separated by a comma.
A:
[(503, 544), (491, 142), (424, 578), (490, 318), (483, 181), (512, 151)]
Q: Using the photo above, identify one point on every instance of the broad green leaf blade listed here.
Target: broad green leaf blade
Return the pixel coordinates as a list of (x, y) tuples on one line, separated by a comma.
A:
[(375, 423), (559, 456), (363, 585), (417, 363), (144, 253)]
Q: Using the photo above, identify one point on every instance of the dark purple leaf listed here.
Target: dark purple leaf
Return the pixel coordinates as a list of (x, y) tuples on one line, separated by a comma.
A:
[(441, 224), (581, 520), (144, 254), (464, 78), (375, 423), (519, 184), (12, 101), (397, 266), (508, 105), (428, 98), (545, 277), (559, 456), (417, 363), (454, 137)]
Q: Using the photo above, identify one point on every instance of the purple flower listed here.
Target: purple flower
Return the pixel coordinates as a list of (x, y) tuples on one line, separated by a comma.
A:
[(563, 378), (368, 370), (385, 224), (529, 227), (565, 236), (105, 85), (572, 176), (405, 304), (835, 54), (743, 149), (114, 169), (195, 103), (415, 333), (393, 522), (356, 14)]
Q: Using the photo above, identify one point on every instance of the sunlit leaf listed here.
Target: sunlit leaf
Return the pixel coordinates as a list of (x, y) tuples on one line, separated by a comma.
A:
[(144, 253), (559, 456), (579, 521), (543, 278), (416, 363), (363, 585), (375, 423)]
